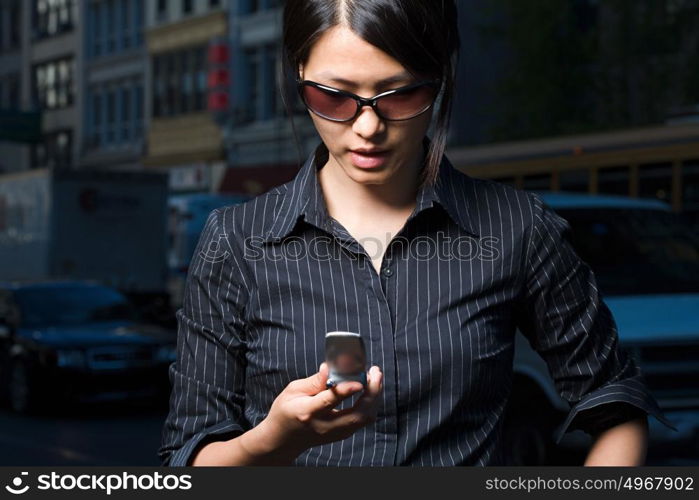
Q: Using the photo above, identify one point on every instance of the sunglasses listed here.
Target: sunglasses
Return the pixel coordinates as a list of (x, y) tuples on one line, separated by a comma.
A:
[(398, 104)]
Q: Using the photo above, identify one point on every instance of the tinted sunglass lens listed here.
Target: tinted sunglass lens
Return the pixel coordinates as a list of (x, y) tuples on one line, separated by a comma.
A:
[(406, 104), (329, 105)]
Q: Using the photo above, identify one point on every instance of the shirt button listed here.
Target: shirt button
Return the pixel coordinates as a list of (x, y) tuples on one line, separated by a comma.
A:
[(388, 272)]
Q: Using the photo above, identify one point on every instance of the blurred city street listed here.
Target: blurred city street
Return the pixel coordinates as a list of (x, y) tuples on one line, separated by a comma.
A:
[(126, 125), (104, 434)]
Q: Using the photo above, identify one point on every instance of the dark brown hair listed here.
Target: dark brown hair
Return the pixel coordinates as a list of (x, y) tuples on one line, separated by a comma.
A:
[(420, 34)]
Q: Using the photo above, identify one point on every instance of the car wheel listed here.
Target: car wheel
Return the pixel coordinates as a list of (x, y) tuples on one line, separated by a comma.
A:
[(22, 391)]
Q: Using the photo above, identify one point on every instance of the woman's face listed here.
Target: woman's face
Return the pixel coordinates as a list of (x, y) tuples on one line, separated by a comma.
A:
[(339, 53)]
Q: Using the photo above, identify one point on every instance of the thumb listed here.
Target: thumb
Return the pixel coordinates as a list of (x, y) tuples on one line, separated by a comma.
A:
[(316, 382)]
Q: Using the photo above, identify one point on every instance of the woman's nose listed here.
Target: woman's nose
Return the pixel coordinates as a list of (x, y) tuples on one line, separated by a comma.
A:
[(368, 123)]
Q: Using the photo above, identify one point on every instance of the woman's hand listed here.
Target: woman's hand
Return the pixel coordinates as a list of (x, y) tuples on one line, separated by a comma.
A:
[(304, 413)]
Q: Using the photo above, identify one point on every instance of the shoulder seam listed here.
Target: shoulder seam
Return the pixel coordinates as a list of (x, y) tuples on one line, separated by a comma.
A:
[(248, 282), (527, 254)]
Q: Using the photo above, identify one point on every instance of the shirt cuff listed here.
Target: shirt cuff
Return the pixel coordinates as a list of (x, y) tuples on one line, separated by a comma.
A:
[(626, 391), (222, 431)]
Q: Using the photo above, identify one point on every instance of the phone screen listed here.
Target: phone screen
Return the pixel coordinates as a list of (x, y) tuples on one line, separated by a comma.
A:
[(346, 357)]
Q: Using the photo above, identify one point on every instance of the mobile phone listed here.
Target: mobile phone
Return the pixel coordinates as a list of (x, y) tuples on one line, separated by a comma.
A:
[(346, 358)]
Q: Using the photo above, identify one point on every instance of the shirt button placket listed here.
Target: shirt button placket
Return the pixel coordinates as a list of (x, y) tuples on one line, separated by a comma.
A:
[(387, 429)]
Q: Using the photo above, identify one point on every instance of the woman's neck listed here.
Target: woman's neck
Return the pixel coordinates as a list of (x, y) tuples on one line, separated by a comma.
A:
[(367, 202)]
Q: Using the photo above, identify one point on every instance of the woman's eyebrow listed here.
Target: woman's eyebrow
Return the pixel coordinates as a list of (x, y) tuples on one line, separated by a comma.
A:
[(400, 77)]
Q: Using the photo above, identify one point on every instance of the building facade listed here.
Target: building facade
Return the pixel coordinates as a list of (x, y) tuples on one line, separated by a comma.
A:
[(260, 146), (39, 59), (13, 94), (53, 64), (113, 81), (182, 136)]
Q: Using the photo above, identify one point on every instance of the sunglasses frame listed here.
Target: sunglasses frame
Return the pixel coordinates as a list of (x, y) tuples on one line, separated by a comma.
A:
[(366, 101)]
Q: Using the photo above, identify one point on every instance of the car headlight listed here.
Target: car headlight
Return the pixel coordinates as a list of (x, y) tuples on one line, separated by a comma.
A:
[(70, 358), (166, 353)]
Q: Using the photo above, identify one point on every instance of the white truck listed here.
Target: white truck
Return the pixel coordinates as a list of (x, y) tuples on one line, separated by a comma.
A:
[(100, 225)]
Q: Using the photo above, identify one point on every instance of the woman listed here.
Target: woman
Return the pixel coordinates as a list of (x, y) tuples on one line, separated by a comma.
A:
[(378, 234)]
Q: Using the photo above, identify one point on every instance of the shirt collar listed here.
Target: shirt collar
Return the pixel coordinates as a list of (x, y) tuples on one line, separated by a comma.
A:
[(304, 197)]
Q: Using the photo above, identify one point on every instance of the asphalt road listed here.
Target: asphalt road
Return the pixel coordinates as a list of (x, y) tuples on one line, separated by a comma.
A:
[(105, 434), (129, 434)]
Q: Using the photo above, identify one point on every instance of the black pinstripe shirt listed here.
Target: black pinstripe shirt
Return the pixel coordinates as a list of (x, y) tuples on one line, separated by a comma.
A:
[(476, 260)]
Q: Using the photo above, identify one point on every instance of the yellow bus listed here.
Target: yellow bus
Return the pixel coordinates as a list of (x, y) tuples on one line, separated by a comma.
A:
[(653, 162)]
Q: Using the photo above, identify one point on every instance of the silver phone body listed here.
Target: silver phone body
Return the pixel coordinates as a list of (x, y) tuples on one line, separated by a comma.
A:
[(346, 358)]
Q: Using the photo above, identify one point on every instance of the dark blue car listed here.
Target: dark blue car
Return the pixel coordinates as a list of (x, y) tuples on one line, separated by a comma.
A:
[(646, 262), (77, 341)]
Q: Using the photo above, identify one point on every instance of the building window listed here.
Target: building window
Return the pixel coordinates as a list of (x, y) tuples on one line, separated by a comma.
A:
[(15, 24), (574, 180), (199, 69), (94, 30), (54, 84), (125, 28), (137, 10), (53, 17), (655, 181), (187, 7), (115, 113), (158, 89), (13, 89), (690, 187), (111, 116), (273, 100), (96, 138), (613, 180), (252, 69), (55, 150), (186, 74), (172, 91), (214, 3), (537, 182), (9, 91), (125, 115), (138, 112), (111, 26), (2, 27), (179, 82), (161, 10)]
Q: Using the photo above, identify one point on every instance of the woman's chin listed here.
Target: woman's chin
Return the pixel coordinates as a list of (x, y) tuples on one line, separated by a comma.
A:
[(362, 176)]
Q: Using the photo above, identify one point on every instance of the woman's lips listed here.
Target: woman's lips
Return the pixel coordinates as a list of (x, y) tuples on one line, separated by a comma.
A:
[(366, 160)]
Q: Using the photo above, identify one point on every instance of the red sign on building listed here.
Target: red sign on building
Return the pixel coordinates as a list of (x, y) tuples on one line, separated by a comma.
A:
[(218, 76)]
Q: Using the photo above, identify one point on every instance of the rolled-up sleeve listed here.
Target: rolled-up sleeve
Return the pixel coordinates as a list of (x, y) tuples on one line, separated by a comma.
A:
[(207, 378), (565, 319)]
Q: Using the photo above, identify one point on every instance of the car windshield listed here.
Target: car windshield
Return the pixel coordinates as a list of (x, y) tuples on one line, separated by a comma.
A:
[(72, 305), (635, 250)]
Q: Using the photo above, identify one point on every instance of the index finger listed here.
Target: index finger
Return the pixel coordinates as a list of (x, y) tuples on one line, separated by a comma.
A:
[(330, 398), (369, 398)]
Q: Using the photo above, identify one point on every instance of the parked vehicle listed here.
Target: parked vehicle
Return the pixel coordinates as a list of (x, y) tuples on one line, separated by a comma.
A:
[(78, 341), (188, 213), (646, 261), (99, 225)]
